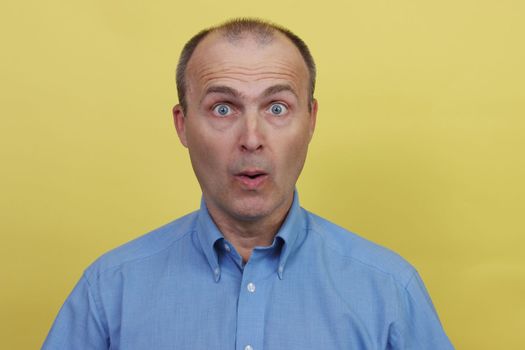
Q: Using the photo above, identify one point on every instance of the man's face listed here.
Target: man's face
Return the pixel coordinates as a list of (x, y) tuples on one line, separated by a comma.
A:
[(248, 123)]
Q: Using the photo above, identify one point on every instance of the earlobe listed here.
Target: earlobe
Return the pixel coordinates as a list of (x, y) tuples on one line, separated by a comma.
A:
[(180, 124)]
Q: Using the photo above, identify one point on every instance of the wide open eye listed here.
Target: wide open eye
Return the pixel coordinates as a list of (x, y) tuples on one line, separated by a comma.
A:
[(278, 109), (222, 110)]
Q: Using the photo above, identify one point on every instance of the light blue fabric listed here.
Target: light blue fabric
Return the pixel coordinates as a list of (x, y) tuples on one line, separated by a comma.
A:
[(183, 286)]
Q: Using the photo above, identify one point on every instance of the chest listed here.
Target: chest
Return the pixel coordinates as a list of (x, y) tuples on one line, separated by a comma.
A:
[(244, 312)]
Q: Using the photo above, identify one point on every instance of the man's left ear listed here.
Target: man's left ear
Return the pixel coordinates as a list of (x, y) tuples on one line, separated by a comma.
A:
[(313, 116), (180, 124)]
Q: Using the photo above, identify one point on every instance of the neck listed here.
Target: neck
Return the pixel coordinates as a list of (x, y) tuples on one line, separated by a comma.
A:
[(245, 235)]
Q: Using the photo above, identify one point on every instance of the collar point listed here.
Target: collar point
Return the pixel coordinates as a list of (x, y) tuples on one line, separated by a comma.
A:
[(280, 272), (216, 274)]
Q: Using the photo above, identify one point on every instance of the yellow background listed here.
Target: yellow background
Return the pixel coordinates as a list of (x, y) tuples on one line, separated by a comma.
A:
[(419, 146)]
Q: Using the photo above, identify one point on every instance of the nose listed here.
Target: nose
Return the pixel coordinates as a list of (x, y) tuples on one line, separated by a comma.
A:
[(252, 133)]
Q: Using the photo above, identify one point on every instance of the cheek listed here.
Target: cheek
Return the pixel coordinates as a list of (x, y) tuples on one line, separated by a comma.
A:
[(207, 150), (292, 155), (204, 157)]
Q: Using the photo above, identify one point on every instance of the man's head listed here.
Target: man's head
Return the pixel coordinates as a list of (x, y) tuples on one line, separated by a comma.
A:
[(246, 115)]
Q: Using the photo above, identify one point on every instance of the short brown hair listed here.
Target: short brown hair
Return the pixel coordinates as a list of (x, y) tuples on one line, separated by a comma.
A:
[(234, 29)]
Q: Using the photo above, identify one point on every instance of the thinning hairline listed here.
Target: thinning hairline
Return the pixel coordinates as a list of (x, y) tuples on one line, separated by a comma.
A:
[(234, 39)]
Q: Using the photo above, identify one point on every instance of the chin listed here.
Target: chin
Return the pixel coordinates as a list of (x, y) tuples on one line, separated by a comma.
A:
[(251, 210)]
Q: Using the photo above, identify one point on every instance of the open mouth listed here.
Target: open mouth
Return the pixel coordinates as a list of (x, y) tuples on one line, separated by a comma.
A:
[(252, 178), (251, 174)]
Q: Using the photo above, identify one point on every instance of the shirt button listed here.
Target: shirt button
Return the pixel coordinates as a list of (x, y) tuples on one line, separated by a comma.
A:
[(251, 289), (227, 247), (248, 347)]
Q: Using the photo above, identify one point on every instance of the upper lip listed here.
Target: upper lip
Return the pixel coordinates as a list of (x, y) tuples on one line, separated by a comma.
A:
[(251, 172)]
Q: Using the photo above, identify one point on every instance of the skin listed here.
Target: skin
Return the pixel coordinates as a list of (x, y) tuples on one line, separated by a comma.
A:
[(248, 115)]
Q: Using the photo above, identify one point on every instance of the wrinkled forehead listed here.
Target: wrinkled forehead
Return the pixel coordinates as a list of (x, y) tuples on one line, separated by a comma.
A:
[(246, 59)]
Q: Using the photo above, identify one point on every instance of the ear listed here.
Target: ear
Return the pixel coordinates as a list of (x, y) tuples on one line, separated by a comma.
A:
[(313, 117), (179, 119)]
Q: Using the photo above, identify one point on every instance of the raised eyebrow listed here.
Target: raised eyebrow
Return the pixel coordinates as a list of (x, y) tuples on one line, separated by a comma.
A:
[(278, 88), (221, 89)]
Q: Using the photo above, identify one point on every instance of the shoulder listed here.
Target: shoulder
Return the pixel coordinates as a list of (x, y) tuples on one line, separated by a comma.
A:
[(145, 246), (358, 250)]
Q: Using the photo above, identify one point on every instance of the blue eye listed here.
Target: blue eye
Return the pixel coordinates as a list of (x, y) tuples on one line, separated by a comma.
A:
[(222, 110), (278, 109)]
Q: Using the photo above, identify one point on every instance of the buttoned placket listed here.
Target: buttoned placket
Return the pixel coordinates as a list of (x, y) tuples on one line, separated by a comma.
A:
[(257, 278)]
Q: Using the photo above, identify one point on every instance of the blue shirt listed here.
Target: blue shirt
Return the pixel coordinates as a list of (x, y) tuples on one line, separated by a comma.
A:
[(183, 286)]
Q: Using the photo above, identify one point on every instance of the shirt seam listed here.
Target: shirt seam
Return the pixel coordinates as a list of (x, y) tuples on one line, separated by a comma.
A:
[(101, 271), (391, 275), (402, 325), (98, 306), (412, 276), (399, 326), (432, 314)]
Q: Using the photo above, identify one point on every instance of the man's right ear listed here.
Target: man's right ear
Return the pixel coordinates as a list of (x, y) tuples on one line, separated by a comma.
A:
[(179, 120)]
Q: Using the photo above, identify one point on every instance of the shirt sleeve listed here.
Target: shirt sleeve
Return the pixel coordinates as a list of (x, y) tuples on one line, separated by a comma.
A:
[(418, 326), (78, 324)]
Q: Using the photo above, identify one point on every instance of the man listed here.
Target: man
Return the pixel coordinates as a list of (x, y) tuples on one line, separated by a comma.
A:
[(251, 269)]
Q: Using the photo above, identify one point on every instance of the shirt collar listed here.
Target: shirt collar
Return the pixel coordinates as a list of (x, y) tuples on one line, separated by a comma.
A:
[(291, 232)]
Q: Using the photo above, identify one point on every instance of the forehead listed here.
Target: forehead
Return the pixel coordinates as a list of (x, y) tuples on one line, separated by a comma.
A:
[(247, 60)]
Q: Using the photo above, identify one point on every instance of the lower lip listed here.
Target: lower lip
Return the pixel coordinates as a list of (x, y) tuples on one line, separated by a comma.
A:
[(251, 183)]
